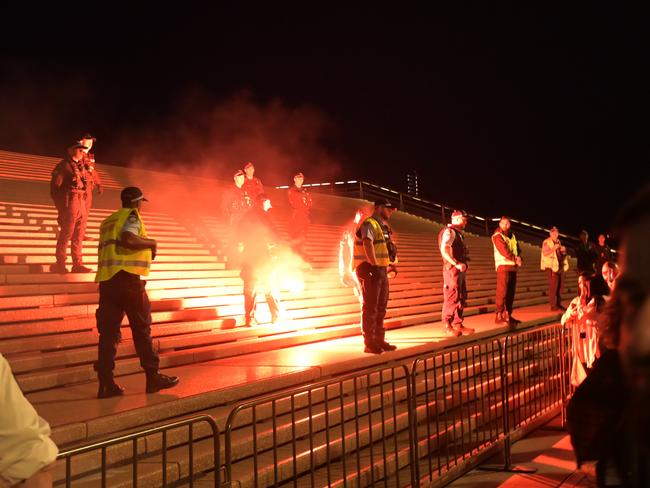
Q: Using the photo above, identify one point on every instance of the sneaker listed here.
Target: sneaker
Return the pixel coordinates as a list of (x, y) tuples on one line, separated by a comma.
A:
[(251, 322), (501, 320), (464, 330), (80, 268), (158, 381), (108, 390), (373, 349), (514, 321), (451, 332), (385, 346), (58, 268)]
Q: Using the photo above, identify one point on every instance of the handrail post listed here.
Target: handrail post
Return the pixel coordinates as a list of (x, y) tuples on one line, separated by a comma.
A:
[(401, 201), (361, 189)]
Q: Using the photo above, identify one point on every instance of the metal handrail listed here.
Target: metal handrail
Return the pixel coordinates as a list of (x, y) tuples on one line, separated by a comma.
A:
[(429, 209), (103, 445)]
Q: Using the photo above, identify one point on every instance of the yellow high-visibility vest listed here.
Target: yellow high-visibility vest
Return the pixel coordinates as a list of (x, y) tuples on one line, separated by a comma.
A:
[(113, 257), (499, 259), (381, 249)]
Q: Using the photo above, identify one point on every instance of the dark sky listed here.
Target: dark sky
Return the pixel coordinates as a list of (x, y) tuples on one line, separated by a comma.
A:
[(540, 114)]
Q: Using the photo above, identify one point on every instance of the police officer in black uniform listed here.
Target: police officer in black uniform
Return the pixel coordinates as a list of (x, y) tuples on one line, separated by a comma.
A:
[(451, 243)]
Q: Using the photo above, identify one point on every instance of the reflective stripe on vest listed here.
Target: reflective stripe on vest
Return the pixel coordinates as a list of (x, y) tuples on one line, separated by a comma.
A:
[(112, 256), (381, 250), (511, 243)]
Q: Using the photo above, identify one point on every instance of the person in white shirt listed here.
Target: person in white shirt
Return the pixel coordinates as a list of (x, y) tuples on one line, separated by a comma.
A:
[(27, 453)]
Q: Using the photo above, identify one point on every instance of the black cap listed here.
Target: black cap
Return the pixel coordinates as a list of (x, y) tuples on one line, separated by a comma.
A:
[(459, 213), (77, 145), (132, 194), (239, 172), (88, 136), (382, 202)]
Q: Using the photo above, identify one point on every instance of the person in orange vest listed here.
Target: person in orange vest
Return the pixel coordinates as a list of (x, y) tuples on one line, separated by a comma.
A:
[(94, 181), (301, 202), (68, 187), (252, 184), (451, 243), (507, 260), (125, 254), (554, 263), (374, 256)]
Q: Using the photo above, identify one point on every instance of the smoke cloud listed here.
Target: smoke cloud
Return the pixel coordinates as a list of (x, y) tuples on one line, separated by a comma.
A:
[(204, 138)]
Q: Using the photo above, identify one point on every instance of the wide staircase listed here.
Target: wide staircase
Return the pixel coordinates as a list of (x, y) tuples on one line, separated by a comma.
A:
[(47, 332)]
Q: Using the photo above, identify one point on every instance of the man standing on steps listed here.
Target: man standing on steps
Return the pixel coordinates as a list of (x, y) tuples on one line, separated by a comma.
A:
[(554, 263), (451, 243), (235, 205), (68, 187), (301, 202), (507, 259), (125, 254), (374, 254), (252, 184), (94, 180), (259, 239)]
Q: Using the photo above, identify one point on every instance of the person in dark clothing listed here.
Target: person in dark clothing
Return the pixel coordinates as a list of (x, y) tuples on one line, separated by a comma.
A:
[(455, 257), (236, 203), (125, 254), (252, 184), (68, 187), (507, 260), (374, 255), (301, 202), (585, 254), (602, 252), (259, 237)]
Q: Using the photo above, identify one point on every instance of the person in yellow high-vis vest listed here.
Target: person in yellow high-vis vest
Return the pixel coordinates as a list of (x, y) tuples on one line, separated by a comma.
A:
[(555, 263), (507, 259), (125, 254), (374, 255)]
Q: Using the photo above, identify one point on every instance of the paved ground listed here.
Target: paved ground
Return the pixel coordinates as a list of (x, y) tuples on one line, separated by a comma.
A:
[(549, 450)]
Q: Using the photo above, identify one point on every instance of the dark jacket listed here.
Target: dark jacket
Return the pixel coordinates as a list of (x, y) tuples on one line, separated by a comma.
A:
[(586, 257), (68, 177)]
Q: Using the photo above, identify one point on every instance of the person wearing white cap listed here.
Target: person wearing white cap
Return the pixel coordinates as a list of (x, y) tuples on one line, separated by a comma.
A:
[(94, 181), (554, 263), (68, 191)]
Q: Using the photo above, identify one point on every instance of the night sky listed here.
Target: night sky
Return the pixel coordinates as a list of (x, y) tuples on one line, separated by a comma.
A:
[(540, 114)]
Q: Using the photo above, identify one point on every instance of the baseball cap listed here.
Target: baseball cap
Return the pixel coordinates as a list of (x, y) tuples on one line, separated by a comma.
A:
[(132, 194), (239, 172), (383, 202), (458, 213)]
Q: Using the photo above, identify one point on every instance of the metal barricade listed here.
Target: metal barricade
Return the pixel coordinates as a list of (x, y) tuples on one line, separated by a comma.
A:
[(457, 407), (353, 429), (123, 464)]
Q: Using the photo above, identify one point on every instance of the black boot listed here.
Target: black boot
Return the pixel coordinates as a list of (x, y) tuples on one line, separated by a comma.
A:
[(109, 389), (157, 381)]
